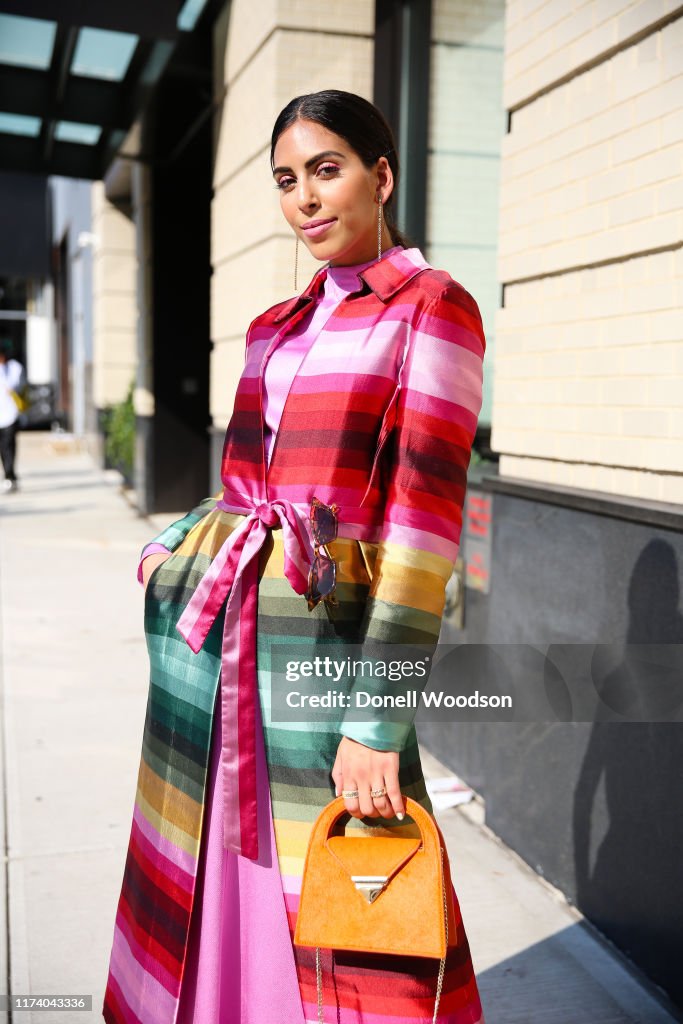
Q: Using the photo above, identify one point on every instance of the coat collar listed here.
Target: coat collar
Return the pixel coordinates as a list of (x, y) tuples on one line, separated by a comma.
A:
[(385, 278), (390, 274)]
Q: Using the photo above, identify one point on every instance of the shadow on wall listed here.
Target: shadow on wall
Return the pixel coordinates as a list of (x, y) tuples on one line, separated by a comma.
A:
[(592, 805), (631, 885)]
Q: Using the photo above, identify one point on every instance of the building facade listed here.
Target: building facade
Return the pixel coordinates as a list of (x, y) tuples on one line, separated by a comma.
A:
[(541, 152), (541, 147), (574, 548)]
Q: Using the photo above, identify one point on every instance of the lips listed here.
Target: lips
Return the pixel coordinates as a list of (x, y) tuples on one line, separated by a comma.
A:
[(318, 227)]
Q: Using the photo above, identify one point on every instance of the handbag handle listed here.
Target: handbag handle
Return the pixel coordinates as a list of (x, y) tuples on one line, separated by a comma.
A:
[(331, 814)]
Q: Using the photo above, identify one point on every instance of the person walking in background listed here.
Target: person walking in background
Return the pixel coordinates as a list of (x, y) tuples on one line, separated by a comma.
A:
[(344, 473), (12, 380)]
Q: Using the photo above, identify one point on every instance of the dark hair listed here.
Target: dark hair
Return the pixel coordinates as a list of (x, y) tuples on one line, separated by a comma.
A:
[(360, 123)]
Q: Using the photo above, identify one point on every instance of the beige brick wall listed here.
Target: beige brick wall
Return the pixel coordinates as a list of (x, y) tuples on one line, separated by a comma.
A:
[(274, 51), (547, 40), (589, 344), (114, 300), (592, 170)]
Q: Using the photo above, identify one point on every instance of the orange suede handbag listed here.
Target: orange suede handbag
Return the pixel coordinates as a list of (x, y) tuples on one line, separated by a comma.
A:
[(377, 894)]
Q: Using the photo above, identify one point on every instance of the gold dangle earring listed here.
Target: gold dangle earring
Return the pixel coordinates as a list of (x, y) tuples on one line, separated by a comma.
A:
[(379, 227), (296, 264)]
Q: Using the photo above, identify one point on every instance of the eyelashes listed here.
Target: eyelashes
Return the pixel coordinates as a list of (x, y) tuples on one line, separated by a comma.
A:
[(285, 181)]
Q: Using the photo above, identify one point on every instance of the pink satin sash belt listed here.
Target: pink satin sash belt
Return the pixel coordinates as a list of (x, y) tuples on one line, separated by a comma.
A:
[(233, 574)]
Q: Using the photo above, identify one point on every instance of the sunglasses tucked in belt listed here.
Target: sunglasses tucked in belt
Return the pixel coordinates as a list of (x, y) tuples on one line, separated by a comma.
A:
[(322, 578)]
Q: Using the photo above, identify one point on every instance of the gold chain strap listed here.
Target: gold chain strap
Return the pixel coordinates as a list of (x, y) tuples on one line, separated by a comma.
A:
[(442, 962), (319, 980)]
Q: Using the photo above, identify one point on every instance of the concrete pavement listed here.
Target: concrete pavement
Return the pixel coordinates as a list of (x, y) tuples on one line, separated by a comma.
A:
[(73, 672)]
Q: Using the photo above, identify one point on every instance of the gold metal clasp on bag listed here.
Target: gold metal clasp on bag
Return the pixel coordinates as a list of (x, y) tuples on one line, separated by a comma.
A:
[(370, 885)]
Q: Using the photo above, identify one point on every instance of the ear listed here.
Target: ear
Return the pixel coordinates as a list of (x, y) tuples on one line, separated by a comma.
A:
[(385, 179)]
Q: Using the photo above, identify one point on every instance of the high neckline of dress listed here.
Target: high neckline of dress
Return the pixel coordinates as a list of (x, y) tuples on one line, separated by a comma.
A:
[(346, 278)]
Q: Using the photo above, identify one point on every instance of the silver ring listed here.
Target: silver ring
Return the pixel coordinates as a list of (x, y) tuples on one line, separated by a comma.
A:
[(349, 794)]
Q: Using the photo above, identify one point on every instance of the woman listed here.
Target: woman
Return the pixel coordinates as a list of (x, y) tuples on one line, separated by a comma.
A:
[(12, 381), (363, 392)]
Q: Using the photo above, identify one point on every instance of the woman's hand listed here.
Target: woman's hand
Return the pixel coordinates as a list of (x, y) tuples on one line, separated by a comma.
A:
[(364, 768), (150, 563)]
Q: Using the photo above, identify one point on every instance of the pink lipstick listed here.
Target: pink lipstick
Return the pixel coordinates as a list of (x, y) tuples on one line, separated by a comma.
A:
[(318, 227)]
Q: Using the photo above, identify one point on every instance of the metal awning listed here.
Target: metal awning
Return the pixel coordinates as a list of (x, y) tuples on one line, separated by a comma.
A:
[(76, 74)]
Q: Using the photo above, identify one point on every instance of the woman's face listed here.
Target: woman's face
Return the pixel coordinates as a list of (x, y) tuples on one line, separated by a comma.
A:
[(321, 178)]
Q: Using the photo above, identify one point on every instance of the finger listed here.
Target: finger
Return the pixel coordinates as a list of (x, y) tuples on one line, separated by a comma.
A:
[(337, 780), (336, 774), (395, 797), (367, 804), (382, 804), (351, 803)]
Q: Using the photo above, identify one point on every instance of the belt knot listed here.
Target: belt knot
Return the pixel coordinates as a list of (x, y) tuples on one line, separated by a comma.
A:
[(232, 579), (267, 514)]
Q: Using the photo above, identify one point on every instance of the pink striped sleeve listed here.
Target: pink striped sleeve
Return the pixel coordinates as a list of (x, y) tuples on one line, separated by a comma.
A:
[(427, 456)]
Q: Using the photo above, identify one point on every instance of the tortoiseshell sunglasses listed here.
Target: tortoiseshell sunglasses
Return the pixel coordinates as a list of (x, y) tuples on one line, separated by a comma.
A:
[(322, 578)]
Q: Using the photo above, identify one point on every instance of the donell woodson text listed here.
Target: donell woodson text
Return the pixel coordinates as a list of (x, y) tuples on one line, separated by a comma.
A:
[(409, 699)]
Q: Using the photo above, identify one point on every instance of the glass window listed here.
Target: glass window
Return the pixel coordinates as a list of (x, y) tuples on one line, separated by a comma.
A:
[(26, 42), (467, 123), (102, 54), (19, 124), (71, 131), (189, 13)]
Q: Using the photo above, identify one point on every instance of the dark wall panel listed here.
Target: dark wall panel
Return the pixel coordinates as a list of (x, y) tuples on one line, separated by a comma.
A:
[(594, 807), (180, 134), (24, 226)]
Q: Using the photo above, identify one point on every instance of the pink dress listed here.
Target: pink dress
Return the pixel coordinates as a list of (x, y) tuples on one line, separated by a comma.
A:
[(239, 945)]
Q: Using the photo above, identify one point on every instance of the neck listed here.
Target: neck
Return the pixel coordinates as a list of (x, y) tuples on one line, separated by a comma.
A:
[(364, 253)]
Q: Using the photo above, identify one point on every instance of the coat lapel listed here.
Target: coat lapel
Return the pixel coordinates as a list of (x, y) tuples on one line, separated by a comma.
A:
[(384, 278)]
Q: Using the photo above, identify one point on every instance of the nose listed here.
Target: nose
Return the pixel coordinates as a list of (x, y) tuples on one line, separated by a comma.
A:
[(306, 197)]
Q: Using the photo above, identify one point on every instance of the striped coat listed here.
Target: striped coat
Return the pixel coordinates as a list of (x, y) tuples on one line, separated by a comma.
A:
[(380, 419)]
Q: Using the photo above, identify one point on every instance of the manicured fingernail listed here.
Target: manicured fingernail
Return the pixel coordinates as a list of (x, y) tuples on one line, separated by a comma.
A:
[(400, 816)]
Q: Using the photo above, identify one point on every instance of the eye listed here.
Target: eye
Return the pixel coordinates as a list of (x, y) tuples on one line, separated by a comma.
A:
[(284, 183), (332, 168)]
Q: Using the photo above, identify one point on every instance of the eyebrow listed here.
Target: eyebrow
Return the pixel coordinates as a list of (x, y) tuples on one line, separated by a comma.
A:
[(313, 160)]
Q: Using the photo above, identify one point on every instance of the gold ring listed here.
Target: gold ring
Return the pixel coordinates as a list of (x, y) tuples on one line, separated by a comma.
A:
[(349, 793), (378, 792)]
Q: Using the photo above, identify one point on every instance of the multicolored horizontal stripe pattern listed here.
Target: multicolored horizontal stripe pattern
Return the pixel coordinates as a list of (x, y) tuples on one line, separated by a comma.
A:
[(380, 419)]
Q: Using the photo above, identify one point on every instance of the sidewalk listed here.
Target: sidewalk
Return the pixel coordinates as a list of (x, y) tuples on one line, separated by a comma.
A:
[(73, 671)]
